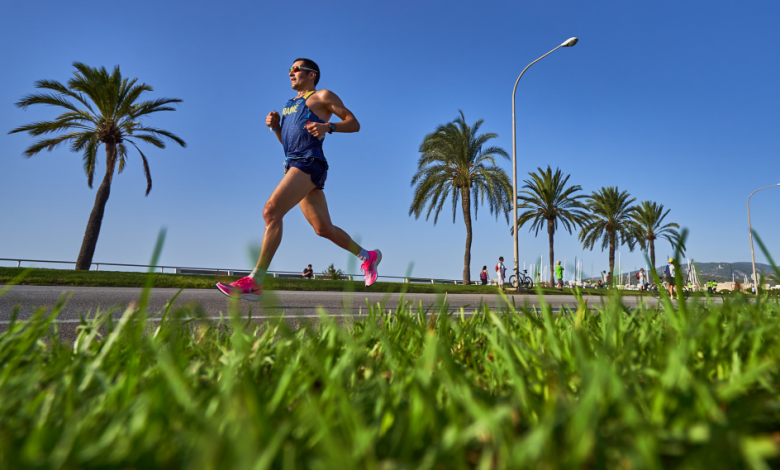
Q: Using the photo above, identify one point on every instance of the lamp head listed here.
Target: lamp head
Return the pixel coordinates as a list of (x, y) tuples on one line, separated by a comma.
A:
[(569, 42)]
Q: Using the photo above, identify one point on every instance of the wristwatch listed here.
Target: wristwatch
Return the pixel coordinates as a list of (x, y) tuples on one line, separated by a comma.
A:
[(331, 128)]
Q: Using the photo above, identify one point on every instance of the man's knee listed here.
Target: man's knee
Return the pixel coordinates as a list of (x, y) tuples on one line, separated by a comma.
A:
[(324, 231), (271, 214)]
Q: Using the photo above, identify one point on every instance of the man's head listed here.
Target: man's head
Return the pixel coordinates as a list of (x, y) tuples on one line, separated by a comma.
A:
[(559, 263), (501, 258), (641, 270), (309, 266), (304, 74)]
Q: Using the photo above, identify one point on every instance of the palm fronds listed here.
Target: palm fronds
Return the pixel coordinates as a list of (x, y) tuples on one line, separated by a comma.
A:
[(647, 225), (609, 221), (455, 165), (101, 109)]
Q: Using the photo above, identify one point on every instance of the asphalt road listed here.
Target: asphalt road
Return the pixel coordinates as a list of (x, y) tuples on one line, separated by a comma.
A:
[(298, 307), (87, 300)]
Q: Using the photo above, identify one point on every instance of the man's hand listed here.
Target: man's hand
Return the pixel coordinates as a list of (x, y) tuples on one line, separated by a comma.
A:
[(317, 129), (272, 120)]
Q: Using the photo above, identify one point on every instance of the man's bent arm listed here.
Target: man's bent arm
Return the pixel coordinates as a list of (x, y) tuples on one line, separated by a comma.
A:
[(349, 122)]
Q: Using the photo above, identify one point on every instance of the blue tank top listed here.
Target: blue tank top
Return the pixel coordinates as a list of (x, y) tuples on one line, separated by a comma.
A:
[(297, 141)]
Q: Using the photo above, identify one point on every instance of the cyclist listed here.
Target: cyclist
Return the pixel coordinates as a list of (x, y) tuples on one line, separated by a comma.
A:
[(669, 276)]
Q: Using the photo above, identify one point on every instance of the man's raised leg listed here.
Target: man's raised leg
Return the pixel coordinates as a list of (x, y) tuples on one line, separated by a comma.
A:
[(315, 208), (291, 190)]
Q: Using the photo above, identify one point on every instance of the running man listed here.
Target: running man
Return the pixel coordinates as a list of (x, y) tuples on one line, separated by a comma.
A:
[(301, 129), (559, 275)]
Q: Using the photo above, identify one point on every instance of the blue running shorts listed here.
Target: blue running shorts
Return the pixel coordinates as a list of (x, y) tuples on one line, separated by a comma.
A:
[(314, 167)]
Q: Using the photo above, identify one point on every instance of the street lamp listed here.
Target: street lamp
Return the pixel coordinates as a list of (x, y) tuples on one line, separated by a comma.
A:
[(568, 43), (750, 229)]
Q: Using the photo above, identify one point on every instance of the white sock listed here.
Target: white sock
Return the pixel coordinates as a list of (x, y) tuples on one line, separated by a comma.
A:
[(363, 255), (258, 275)]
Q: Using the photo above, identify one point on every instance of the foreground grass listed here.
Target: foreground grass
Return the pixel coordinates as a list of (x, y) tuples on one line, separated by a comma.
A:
[(688, 387), (66, 277)]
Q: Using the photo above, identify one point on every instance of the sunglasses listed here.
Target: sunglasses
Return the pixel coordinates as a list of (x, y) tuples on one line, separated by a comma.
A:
[(298, 68)]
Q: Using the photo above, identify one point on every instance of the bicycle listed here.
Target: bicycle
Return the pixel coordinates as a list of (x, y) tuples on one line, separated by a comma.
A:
[(525, 280)]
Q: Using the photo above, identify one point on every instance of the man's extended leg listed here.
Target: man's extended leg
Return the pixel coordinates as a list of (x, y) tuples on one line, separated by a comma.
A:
[(290, 191), (315, 208)]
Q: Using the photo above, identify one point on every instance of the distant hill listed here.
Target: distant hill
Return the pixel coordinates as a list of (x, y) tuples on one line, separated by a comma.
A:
[(721, 272)]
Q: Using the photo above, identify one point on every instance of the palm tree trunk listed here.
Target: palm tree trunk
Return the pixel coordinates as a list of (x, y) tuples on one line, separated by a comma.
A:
[(466, 201), (89, 243), (652, 255), (611, 256), (550, 233)]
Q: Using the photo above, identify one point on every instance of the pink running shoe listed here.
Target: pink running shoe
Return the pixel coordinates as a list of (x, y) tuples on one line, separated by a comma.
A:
[(369, 266), (244, 288)]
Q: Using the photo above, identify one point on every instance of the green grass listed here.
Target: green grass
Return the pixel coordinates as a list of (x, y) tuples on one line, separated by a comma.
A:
[(683, 387), (65, 277)]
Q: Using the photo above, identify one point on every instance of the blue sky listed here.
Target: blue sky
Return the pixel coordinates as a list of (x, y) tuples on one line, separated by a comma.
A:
[(675, 102)]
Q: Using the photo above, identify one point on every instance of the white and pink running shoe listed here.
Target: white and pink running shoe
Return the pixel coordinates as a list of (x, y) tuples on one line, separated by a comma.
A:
[(369, 266), (245, 288)]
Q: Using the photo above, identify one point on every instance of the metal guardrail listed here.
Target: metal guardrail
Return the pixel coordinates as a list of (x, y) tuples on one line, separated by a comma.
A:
[(230, 272)]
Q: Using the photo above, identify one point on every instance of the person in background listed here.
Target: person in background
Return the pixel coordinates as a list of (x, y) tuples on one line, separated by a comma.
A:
[(642, 277), (484, 275), (308, 273), (559, 275), (669, 277), (501, 270)]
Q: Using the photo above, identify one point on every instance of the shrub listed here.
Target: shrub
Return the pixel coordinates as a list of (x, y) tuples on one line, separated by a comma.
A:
[(333, 274)]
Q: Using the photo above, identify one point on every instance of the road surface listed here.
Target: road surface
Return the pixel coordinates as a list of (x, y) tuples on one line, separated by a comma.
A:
[(298, 307), (291, 303)]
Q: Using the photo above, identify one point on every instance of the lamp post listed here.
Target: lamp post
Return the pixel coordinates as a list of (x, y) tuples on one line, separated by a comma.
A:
[(568, 43), (750, 229)]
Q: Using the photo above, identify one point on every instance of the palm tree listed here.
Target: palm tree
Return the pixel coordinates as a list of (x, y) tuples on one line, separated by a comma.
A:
[(453, 164), (646, 225), (609, 221), (549, 201), (100, 108)]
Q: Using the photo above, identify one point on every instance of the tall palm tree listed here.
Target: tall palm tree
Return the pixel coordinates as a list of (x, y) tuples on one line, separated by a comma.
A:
[(453, 164), (647, 226), (609, 221), (100, 108), (549, 201)]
